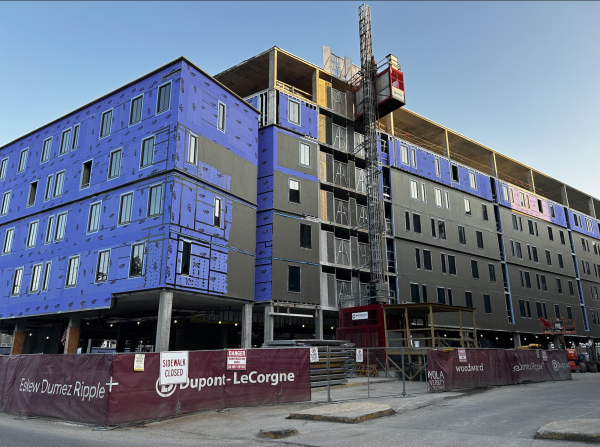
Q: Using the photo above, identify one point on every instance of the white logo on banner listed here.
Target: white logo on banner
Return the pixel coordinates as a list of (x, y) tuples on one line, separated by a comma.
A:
[(359, 355), (314, 355)]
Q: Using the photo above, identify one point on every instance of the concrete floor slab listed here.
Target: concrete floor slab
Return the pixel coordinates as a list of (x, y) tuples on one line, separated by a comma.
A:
[(582, 430), (348, 413)]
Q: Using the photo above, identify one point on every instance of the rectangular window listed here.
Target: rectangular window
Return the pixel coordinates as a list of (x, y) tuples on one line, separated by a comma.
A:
[(417, 258), (538, 309), (479, 239), (544, 286), (136, 264), (558, 285), (548, 258), (32, 234), (540, 206), (3, 168), (417, 223), (46, 281), (48, 192), (536, 229), (36, 274), (413, 157), (462, 238), (293, 278), (404, 155), (474, 269), (537, 277), (135, 114), (515, 223), (487, 304), (433, 227), (147, 152), (468, 299), (583, 243), (294, 192), (217, 213), (16, 286), (424, 290), (569, 313), (406, 220), (518, 248), (441, 295), (527, 280), (305, 155), (522, 308), (65, 142), (22, 160), (484, 212), (521, 275), (447, 199), (450, 299), (442, 230), (49, 230), (455, 176), (125, 208), (414, 293), (186, 257), (294, 111), (492, 272), (414, 190), (46, 146), (61, 226), (86, 174), (164, 98), (58, 184), (305, 236), (427, 260), (106, 124), (560, 261), (32, 193), (512, 248), (438, 170), (550, 235), (8, 240), (94, 217), (528, 309), (423, 193), (545, 313), (467, 207), (438, 197), (505, 193), (529, 251), (222, 116), (556, 311), (530, 225), (562, 237), (72, 271), (75, 141), (535, 254), (114, 165), (155, 200), (451, 265), (102, 266), (472, 180), (443, 261)]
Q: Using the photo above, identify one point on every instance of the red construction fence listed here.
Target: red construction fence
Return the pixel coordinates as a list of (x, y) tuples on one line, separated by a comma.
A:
[(105, 389), (470, 368)]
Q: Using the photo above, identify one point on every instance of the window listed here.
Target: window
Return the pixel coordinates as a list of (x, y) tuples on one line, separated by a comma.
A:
[(438, 197), (467, 207), (594, 291), (125, 208), (46, 281), (538, 308), (548, 258), (417, 258), (136, 264), (562, 237), (48, 192), (521, 275), (417, 223), (75, 141), (484, 212), (505, 193), (72, 271), (164, 98), (294, 192), (46, 146), (455, 177), (452, 265), (36, 274), (414, 190), (544, 287), (406, 220), (528, 309), (450, 299), (522, 199), (438, 170), (569, 313), (537, 277), (447, 199), (515, 223), (583, 243), (305, 155), (474, 269), (441, 295), (427, 260), (487, 304), (560, 261), (423, 193), (294, 111), (61, 226), (461, 235), (530, 224), (106, 124), (32, 234), (414, 293), (472, 180), (492, 272), (5, 203), (552, 211), (32, 193), (293, 279), (545, 313), (424, 290), (102, 267), (527, 280), (8, 240), (217, 213), (22, 161), (49, 230), (518, 248), (536, 229), (135, 114), (114, 165), (558, 285), (155, 200), (550, 235), (512, 248), (16, 287), (58, 184), (186, 258), (222, 115), (147, 152), (443, 262), (86, 174), (65, 142), (556, 311), (94, 217), (305, 236), (479, 239), (535, 254), (404, 155), (442, 229), (468, 299), (3, 168), (522, 308), (433, 227), (413, 157)]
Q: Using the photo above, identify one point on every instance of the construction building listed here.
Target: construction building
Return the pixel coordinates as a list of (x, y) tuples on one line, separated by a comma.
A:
[(185, 211)]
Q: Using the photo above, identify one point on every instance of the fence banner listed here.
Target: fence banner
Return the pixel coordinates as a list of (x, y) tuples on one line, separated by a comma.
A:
[(488, 367), (105, 389)]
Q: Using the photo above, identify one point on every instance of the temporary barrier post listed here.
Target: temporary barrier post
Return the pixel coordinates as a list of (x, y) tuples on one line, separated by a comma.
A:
[(328, 377), (403, 375), (368, 375)]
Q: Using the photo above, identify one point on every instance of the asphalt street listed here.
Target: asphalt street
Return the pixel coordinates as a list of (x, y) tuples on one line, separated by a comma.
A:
[(501, 416)]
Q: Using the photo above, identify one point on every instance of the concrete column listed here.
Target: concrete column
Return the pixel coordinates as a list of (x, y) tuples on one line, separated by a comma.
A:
[(319, 324), (530, 181), (516, 339), (556, 342), (268, 324), (89, 346), (18, 337), (163, 324), (273, 68), (247, 326), (592, 208), (72, 341), (563, 194), (445, 144), (493, 166)]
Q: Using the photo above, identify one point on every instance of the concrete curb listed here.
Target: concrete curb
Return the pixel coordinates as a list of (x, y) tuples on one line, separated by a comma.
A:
[(580, 430), (349, 413)]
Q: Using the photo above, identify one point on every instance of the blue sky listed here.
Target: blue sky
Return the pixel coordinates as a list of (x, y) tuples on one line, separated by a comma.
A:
[(519, 77)]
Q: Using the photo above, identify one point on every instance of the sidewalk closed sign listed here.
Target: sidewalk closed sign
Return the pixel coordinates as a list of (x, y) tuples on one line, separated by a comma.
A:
[(173, 367), (236, 359), (314, 355)]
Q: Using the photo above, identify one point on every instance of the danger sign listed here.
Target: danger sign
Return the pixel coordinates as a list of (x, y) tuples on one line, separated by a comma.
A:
[(236, 359), (462, 355), (314, 355)]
